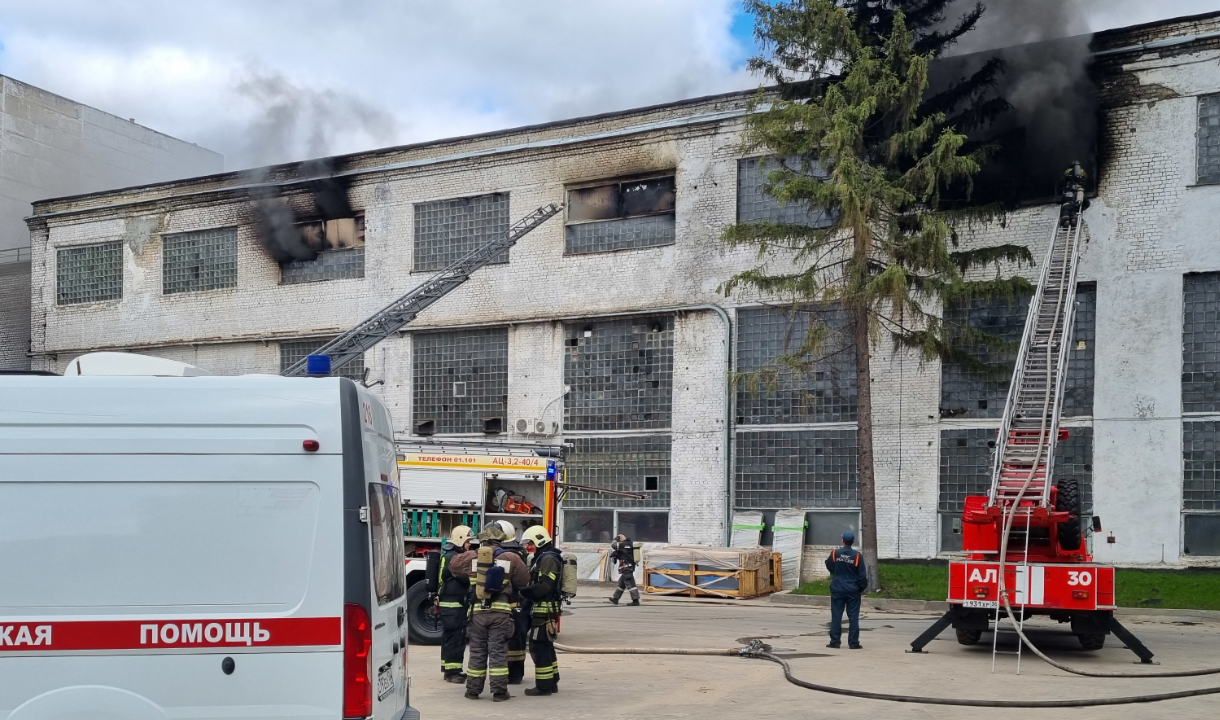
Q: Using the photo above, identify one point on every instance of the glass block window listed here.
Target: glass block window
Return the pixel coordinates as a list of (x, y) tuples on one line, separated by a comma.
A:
[(620, 373), (1208, 139), (620, 216), (199, 261), (293, 352), (966, 464), (1200, 460), (89, 273), (797, 468), (460, 379), (448, 230), (630, 464), (755, 204), (1201, 342), (819, 389), (329, 265), (965, 393)]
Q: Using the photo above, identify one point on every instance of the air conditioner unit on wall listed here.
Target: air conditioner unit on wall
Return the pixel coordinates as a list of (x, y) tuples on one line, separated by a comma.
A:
[(542, 427), (523, 426), (535, 426)]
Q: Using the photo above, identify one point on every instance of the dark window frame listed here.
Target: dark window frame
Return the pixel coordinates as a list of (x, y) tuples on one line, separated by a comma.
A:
[(573, 228)]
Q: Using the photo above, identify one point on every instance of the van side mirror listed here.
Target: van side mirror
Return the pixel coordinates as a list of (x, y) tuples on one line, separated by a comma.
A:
[(1096, 524)]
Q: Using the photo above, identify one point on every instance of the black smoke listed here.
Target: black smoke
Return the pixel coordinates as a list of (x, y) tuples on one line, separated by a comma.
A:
[(287, 235)]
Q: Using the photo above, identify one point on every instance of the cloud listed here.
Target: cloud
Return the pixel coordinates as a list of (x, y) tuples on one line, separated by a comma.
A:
[(275, 81)]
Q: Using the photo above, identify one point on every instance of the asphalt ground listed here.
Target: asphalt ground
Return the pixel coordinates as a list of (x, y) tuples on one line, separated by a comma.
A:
[(656, 687)]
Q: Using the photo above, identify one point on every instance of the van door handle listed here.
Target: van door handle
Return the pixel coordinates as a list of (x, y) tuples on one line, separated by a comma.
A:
[(402, 615), (395, 648)]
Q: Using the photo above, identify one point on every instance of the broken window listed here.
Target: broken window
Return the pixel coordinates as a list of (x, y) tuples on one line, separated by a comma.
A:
[(623, 464), (340, 246), (448, 230), (771, 392), (199, 261), (796, 468), (755, 204), (1208, 139), (620, 373), (292, 352), (89, 273), (620, 216), (460, 381)]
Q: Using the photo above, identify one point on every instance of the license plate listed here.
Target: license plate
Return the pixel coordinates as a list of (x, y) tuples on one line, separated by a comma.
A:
[(989, 604), (385, 681)]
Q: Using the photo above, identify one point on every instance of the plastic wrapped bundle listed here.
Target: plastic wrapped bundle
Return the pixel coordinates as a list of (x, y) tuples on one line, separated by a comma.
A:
[(789, 531)]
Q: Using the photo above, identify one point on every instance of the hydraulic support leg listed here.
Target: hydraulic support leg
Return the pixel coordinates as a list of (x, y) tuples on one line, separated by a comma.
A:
[(1132, 642), (937, 628)]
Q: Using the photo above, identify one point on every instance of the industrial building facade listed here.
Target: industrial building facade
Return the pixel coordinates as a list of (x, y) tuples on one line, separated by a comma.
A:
[(605, 328)]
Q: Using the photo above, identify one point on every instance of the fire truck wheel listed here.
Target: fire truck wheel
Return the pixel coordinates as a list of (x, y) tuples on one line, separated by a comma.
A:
[(1068, 499), (1092, 642), (968, 637), (423, 624)]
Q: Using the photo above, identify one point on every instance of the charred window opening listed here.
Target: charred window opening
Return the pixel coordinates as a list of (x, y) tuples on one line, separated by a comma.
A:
[(623, 215), (89, 273), (339, 247), (293, 352), (755, 204), (199, 261), (447, 230), (1208, 140), (620, 373), (460, 380), (820, 388), (797, 468)]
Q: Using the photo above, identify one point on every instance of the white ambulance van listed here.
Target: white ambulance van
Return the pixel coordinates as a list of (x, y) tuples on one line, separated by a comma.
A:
[(174, 545)]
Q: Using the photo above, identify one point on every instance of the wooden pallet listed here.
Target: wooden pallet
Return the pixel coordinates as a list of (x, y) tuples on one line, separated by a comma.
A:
[(777, 572), (717, 583)]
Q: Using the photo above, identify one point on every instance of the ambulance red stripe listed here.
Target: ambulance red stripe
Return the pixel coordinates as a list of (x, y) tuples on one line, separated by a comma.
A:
[(167, 634)]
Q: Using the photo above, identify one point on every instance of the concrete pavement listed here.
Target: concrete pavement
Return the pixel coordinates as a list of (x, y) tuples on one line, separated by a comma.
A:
[(659, 687)]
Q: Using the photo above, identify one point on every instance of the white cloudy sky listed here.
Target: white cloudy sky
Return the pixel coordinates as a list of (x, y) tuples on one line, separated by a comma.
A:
[(266, 81)]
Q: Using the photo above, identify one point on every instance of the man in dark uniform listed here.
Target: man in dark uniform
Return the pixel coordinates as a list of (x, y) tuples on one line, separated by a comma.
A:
[(521, 612), (622, 550), (544, 590), (453, 606), (848, 581)]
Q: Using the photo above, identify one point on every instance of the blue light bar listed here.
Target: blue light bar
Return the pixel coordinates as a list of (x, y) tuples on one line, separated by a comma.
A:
[(317, 365)]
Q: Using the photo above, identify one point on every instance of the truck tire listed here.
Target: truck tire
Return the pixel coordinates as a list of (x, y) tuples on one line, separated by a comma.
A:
[(423, 624), (966, 636), (1092, 642), (1068, 499)]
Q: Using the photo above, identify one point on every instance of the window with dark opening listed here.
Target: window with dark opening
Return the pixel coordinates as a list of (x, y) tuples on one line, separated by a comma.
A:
[(620, 216), (340, 245), (1208, 139)]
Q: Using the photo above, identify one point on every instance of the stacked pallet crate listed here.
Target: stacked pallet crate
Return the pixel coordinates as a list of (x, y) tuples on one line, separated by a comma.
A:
[(697, 571)]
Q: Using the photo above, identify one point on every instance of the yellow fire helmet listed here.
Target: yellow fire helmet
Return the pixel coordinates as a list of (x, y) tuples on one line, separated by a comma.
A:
[(510, 532), (460, 535), (537, 535)]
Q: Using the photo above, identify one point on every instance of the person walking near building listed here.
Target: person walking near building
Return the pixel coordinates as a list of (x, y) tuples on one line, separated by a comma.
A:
[(848, 581), (491, 622), (521, 612), (544, 590), (452, 604), (622, 551)]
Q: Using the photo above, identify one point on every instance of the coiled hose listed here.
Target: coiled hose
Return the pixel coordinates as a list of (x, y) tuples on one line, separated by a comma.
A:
[(756, 650)]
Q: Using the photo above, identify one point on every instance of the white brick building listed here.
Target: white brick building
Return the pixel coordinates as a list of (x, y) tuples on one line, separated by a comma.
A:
[(608, 327), (49, 147)]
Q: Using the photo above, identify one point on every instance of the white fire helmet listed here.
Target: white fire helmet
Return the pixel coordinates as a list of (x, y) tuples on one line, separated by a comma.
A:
[(510, 531)]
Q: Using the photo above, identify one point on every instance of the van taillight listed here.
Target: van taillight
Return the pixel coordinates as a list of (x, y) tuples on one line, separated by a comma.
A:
[(357, 641)]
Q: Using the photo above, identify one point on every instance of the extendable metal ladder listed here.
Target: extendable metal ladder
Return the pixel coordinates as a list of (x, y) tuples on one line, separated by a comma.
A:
[(1030, 424), (393, 317)]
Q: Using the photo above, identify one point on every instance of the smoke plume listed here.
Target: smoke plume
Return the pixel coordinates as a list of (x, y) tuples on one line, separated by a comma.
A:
[(282, 234)]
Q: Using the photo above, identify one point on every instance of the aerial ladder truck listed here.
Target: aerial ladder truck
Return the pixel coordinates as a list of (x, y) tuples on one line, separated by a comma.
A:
[(1025, 543)]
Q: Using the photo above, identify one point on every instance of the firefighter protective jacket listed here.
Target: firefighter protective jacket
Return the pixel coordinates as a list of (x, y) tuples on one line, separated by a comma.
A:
[(544, 587), (848, 575), (515, 578)]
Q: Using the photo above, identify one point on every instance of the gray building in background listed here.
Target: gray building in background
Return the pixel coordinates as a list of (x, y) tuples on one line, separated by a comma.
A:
[(51, 146)]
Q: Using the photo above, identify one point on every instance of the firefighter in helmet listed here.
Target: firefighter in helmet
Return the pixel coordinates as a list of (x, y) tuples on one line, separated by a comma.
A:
[(521, 612), (491, 622), (1074, 200), (546, 575), (452, 604), (622, 551)]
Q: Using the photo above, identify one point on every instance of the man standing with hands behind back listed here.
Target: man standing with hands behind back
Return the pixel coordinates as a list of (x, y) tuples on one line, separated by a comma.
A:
[(848, 581)]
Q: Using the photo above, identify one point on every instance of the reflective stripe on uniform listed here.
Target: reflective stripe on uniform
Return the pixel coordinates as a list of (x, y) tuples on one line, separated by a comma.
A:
[(451, 666), (471, 672), (516, 655), (446, 604), (496, 606), (497, 672)]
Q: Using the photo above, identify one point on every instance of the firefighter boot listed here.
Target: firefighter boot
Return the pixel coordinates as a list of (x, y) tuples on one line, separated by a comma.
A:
[(534, 692), (500, 697), (615, 597)]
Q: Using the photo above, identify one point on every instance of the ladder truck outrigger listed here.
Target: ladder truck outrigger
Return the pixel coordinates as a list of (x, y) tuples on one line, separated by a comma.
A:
[(1025, 543), (446, 482)]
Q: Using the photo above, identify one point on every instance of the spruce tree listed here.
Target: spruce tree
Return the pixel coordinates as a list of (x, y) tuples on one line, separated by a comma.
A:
[(856, 133)]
